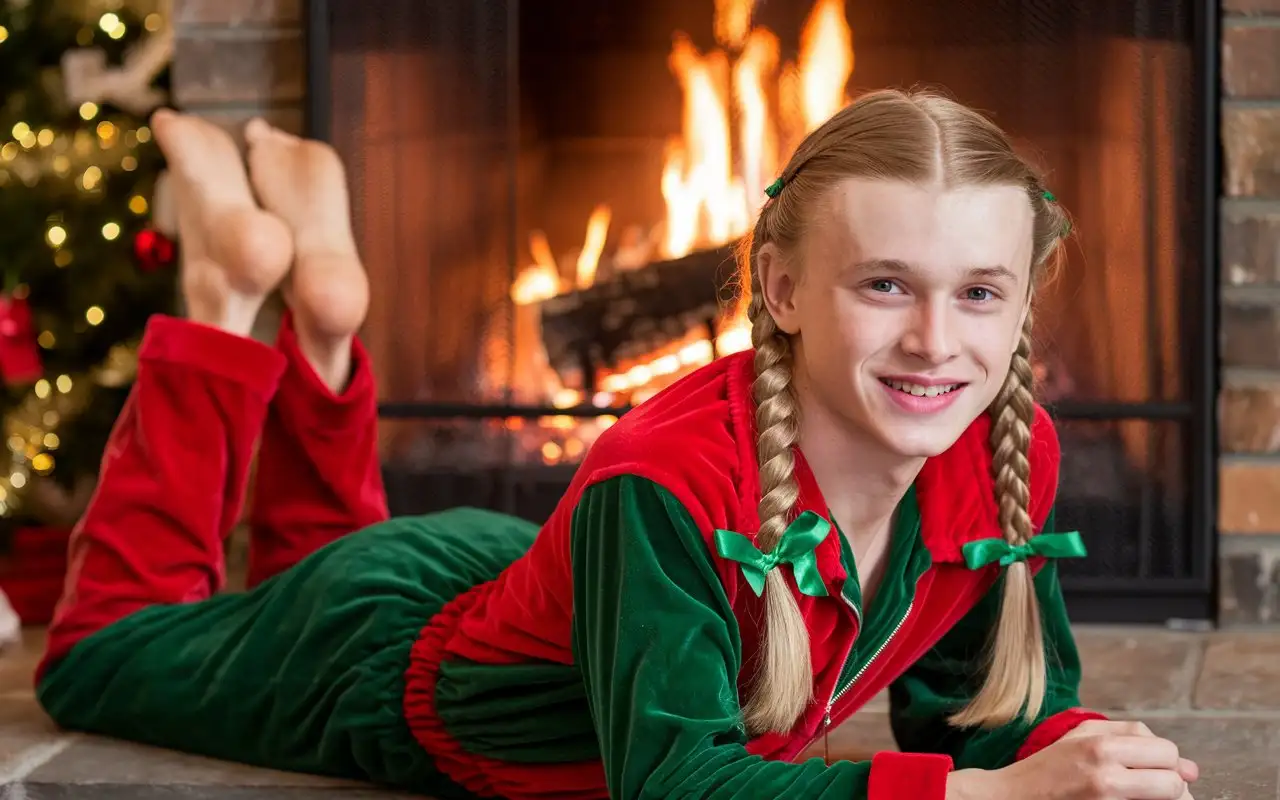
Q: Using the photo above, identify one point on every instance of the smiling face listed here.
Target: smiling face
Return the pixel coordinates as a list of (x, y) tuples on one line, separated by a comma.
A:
[(905, 304)]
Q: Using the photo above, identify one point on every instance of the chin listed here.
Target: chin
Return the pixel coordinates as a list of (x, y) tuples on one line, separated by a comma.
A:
[(919, 443)]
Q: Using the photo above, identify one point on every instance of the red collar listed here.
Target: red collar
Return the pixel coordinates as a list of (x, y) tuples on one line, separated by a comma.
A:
[(955, 490)]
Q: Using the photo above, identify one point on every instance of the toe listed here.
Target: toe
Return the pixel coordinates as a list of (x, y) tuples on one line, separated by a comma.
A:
[(256, 131)]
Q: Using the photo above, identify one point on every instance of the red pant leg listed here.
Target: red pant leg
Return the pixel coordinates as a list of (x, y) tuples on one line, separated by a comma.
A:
[(172, 479), (318, 475)]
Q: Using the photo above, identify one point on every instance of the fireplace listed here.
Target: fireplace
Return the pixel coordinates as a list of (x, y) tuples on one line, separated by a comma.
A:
[(546, 197)]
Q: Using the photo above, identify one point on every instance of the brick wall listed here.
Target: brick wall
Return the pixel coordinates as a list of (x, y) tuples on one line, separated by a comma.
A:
[(1249, 474), (238, 58)]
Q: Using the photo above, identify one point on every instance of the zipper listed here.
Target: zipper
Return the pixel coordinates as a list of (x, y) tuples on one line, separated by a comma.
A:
[(839, 692)]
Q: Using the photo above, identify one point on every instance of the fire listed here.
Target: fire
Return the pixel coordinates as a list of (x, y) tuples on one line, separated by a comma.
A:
[(744, 110), (589, 259), (712, 189), (826, 62)]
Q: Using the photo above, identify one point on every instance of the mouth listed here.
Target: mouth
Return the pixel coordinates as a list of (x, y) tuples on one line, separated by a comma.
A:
[(920, 390)]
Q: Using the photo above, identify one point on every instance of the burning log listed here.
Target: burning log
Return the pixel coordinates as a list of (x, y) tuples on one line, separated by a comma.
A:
[(636, 312)]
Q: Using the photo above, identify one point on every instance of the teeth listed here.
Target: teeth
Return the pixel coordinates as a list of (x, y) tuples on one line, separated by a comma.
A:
[(921, 391)]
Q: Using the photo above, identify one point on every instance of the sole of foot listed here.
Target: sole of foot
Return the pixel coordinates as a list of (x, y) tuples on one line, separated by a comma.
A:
[(234, 253), (304, 184)]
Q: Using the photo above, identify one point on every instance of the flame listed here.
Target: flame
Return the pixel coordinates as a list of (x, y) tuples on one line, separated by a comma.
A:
[(712, 185), (541, 280), (757, 136), (593, 246), (826, 62), (743, 112), (733, 21), (704, 199)]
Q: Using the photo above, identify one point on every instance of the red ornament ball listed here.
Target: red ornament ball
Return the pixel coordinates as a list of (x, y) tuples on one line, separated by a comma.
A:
[(153, 250)]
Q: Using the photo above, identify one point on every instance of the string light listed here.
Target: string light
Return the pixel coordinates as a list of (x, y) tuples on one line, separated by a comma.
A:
[(51, 440), (110, 231), (28, 140), (144, 134), (128, 163), (94, 315), (152, 23), (90, 179), (62, 258), (64, 383), (17, 480), (61, 165), (88, 110), (108, 22), (84, 36), (9, 151), (56, 235), (138, 204), (42, 389), (42, 463), (47, 340), (4, 32), (20, 130), (45, 137), (106, 130)]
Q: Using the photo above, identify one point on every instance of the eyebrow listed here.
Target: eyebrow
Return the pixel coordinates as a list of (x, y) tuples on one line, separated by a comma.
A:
[(894, 265)]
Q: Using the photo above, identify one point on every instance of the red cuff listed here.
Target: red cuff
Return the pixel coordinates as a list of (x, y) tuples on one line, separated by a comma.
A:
[(919, 776), (202, 347), (1054, 728), (321, 411)]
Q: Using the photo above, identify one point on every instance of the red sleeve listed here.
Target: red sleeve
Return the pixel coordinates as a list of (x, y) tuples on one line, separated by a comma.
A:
[(1054, 728)]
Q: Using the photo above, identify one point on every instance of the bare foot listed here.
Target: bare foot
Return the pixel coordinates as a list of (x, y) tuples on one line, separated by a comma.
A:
[(233, 253), (303, 182)]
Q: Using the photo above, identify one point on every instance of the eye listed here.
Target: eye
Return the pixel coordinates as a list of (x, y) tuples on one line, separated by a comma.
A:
[(979, 294), (883, 286)]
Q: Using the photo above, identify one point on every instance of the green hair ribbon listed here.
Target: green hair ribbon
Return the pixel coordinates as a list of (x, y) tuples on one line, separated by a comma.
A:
[(1047, 545), (796, 547), (775, 188)]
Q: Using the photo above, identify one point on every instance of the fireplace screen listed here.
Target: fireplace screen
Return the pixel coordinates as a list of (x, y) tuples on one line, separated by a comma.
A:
[(546, 197)]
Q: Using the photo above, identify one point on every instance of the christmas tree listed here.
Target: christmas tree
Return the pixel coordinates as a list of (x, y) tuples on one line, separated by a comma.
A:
[(81, 264)]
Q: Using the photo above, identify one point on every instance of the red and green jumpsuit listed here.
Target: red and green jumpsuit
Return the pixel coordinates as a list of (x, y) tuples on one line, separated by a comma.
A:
[(470, 654)]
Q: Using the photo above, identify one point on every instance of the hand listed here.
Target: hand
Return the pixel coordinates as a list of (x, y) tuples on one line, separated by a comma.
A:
[(1187, 768), (1088, 766)]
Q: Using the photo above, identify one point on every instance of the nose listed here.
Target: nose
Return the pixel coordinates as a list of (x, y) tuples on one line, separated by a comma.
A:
[(933, 334)]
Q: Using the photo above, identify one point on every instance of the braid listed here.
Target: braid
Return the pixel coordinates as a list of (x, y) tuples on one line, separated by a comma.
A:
[(1015, 681), (783, 684)]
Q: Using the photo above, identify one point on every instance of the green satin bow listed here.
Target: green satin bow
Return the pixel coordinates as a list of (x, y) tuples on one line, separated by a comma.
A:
[(796, 547), (1048, 545)]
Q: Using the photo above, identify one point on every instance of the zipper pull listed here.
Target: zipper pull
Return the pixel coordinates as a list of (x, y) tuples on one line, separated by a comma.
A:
[(826, 738)]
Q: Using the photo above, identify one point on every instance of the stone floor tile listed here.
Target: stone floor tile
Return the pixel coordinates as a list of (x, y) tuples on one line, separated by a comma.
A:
[(18, 662), (71, 791), (861, 737), (1241, 672), (95, 760), (1135, 670), (27, 739)]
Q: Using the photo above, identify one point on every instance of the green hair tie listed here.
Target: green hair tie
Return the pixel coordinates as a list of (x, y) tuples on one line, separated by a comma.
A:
[(775, 188), (1048, 195)]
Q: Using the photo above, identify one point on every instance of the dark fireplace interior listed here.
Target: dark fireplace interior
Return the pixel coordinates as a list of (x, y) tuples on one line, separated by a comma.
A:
[(546, 195)]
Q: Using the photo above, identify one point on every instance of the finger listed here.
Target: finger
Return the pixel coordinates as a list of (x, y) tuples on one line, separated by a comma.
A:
[(1189, 770), (1149, 784), (1142, 752)]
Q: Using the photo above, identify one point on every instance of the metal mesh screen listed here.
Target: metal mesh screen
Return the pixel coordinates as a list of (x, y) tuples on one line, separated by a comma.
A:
[(470, 125)]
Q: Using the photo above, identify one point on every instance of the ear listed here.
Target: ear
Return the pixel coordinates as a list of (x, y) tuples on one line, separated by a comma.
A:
[(1022, 321), (779, 288)]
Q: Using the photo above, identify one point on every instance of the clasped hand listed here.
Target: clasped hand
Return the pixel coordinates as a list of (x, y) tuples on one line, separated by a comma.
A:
[(1099, 760)]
